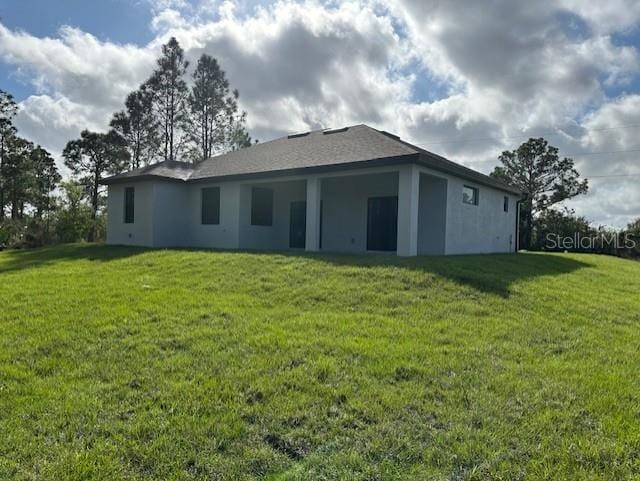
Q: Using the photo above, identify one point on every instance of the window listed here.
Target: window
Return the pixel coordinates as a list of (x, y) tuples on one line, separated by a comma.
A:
[(505, 206), (210, 205), (129, 205), (470, 195), (261, 206)]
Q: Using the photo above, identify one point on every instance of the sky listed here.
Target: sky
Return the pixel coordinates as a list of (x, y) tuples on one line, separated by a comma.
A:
[(464, 79)]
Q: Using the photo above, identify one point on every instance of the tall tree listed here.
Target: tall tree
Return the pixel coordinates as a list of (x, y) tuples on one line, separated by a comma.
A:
[(170, 92), (546, 179), (45, 180), (138, 127), (8, 109), (239, 137), (17, 173), (214, 125), (91, 157)]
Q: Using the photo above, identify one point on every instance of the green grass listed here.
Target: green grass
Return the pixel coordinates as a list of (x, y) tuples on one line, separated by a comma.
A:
[(123, 363)]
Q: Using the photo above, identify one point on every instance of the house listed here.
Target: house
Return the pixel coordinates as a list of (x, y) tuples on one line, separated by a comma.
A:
[(355, 189)]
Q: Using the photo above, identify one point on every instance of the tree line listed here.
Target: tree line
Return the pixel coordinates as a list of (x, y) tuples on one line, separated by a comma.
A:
[(168, 118)]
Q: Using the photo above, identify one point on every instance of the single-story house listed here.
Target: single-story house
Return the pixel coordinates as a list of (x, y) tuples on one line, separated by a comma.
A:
[(355, 189)]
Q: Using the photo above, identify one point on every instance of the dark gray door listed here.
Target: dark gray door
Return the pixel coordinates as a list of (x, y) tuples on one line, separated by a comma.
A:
[(298, 225), (382, 223)]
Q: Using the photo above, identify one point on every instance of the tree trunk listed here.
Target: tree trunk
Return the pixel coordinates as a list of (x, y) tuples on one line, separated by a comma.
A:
[(14, 200), (94, 206), (172, 124), (528, 233), (1, 179)]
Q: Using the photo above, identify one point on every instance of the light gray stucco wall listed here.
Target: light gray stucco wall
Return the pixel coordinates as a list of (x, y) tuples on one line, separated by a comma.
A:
[(344, 209), (235, 229), (432, 215), (170, 224), (167, 214), (224, 235), (482, 228), (140, 232), (275, 236)]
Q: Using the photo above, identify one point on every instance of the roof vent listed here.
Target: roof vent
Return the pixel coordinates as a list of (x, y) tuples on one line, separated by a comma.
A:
[(335, 131), (295, 136), (394, 137)]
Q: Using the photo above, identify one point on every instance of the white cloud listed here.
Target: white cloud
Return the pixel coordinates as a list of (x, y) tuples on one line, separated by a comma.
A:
[(77, 65), (168, 19), (606, 16)]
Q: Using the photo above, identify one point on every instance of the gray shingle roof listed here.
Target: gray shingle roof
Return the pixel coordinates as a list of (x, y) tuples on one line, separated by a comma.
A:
[(359, 145), (315, 149), (169, 170)]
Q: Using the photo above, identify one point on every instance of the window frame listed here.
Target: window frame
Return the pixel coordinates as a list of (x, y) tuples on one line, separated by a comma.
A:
[(505, 204), (129, 205), (475, 200), (261, 205), (214, 217)]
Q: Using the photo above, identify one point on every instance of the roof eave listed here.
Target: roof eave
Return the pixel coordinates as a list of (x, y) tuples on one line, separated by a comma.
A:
[(466, 173), (125, 179), (380, 162)]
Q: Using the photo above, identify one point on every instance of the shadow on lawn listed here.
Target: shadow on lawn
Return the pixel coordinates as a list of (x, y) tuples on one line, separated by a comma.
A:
[(489, 273), (14, 260)]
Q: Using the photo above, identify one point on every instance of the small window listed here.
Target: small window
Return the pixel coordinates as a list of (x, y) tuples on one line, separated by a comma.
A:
[(210, 205), (261, 206), (470, 195), (505, 206), (129, 205)]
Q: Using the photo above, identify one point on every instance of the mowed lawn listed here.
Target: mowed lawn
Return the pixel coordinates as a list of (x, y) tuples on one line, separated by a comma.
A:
[(123, 363)]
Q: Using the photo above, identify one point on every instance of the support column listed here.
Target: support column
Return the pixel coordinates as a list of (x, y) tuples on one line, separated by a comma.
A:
[(230, 215), (408, 200), (314, 188)]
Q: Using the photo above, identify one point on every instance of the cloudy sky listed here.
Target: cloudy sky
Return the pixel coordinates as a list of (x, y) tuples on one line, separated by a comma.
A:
[(464, 79)]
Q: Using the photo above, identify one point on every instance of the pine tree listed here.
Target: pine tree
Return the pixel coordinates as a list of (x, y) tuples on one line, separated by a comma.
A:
[(8, 109), (91, 157), (215, 125), (169, 94), (45, 180), (536, 168), (138, 127), (17, 173)]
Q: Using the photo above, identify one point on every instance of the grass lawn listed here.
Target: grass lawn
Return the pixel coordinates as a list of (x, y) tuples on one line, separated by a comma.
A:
[(123, 363)]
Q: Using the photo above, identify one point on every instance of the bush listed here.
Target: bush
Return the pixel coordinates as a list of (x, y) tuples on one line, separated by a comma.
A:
[(11, 233), (22, 233), (553, 226), (72, 225)]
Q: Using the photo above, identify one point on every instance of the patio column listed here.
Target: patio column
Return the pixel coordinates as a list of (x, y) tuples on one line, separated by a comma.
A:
[(230, 213), (408, 197), (312, 241)]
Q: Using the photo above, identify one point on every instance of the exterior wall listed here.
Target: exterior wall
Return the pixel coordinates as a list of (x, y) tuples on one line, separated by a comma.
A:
[(432, 215), (224, 235), (140, 232), (167, 214), (170, 226), (482, 228), (275, 236), (344, 208)]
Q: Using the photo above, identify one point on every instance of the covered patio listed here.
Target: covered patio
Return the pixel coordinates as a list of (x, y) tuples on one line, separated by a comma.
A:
[(394, 210)]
